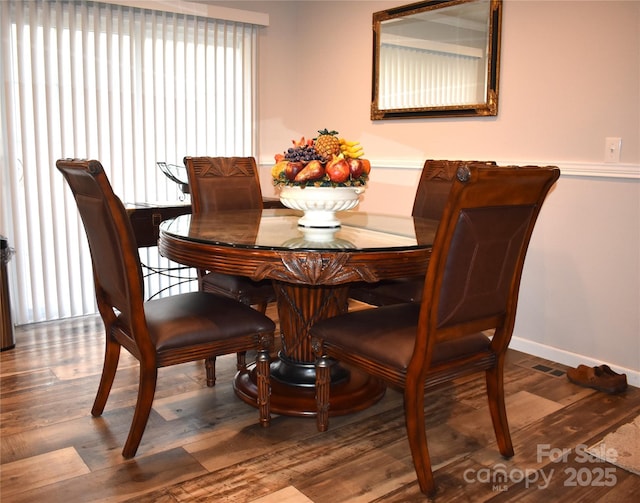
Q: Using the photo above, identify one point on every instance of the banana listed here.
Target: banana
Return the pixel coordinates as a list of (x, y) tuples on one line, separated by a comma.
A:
[(348, 143), (353, 154), (351, 149)]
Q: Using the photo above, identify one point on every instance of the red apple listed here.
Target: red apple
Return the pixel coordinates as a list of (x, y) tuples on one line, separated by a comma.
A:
[(312, 171), (292, 169), (366, 166), (356, 168), (338, 170)]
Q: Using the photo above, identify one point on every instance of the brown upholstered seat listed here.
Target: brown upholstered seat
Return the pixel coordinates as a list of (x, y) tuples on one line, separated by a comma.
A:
[(430, 199), (471, 287), (160, 332)]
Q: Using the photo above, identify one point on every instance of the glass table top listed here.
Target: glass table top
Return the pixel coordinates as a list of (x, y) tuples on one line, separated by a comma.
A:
[(278, 229)]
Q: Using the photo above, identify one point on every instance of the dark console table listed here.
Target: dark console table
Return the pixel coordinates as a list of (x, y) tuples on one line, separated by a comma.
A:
[(146, 217)]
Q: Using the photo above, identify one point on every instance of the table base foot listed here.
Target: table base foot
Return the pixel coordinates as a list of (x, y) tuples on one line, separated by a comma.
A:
[(303, 374)]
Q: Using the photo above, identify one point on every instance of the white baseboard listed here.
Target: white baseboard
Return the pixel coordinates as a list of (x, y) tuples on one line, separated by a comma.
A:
[(568, 358)]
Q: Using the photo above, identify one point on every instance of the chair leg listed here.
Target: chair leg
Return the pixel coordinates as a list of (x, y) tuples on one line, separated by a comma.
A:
[(210, 369), (323, 386), (109, 367), (241, 360), (242, 356), (417, 436), (264, 387), (201, 274), (146, 392), (495, 392)]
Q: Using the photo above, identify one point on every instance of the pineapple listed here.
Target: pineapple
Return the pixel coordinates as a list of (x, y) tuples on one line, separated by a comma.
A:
[(327, 143)]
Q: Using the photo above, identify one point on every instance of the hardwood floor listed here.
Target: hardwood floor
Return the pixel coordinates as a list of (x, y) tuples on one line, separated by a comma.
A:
[(203, 444)]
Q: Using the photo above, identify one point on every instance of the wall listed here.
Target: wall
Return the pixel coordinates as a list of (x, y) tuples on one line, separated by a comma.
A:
[(569, 78)]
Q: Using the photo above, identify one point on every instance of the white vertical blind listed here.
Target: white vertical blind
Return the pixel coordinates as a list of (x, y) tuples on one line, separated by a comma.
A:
[(127, 86), (422, 78)]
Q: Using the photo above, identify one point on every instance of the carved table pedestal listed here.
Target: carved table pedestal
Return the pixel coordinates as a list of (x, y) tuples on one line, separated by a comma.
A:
[(311, 280)]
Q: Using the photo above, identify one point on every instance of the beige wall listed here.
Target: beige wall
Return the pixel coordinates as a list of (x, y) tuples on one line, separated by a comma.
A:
[(569, 78)]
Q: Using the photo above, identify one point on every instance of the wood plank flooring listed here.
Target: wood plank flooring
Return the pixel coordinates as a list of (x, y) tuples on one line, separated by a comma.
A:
[(204, 445)]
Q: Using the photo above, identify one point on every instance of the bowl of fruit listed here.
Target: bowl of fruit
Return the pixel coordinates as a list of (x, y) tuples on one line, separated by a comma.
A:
[(321, 176)]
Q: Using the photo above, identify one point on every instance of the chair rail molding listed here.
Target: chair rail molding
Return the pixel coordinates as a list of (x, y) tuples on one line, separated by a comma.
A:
[(567, 168), (583, 169)]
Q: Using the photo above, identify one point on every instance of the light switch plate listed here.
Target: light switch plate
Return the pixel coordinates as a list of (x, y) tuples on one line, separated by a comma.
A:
[(612, 149)]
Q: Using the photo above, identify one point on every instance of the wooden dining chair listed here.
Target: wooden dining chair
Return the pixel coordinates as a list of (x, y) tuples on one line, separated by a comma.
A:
[(471, 287), (160, 332), (228, 184), (431, 196)]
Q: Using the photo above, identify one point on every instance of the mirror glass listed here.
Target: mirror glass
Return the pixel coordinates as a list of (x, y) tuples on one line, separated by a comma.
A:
[(436, 58)]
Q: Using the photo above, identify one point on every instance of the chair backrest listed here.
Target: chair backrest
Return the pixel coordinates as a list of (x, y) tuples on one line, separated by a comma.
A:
[(117, 270), (223, 183), (473, 277), (433, 189)]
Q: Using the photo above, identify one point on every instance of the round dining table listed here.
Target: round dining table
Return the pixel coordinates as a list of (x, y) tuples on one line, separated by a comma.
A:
[(311, 270)]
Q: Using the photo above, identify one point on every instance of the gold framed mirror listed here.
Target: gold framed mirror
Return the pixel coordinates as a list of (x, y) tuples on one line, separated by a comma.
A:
[(437, 58)]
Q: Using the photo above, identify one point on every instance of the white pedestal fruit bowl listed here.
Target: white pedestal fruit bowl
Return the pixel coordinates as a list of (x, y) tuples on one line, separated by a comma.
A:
[(320, 204), (320, 177)]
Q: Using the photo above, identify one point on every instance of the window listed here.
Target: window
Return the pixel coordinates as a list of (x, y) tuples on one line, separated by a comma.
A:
[(127, 86)]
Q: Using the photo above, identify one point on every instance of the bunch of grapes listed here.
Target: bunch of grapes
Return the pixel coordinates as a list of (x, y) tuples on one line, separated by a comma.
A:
[(303, 153)]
